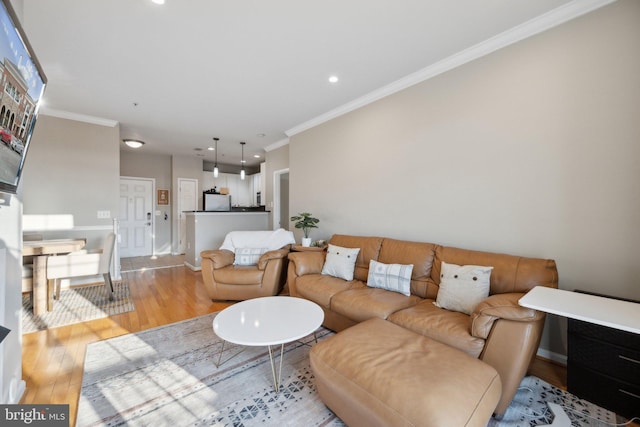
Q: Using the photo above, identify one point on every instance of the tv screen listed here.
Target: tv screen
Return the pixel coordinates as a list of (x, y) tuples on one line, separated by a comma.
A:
[(22, 84)]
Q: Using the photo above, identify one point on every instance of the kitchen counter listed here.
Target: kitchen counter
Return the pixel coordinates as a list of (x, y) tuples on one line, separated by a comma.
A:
[(207, 230), (236, 209)]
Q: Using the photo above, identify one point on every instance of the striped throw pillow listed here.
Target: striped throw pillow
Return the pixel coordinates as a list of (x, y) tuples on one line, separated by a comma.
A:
[(392, 277)]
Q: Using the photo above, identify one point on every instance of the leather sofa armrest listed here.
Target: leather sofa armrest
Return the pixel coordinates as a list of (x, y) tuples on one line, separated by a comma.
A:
[(307, 262), (268, 256), (500, 306), (220, 258)]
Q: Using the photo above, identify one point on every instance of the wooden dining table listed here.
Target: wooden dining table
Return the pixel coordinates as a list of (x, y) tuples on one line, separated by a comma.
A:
[(40, 250)]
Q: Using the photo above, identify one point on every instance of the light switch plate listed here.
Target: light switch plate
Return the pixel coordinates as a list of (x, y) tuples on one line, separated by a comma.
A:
[(104, 214)]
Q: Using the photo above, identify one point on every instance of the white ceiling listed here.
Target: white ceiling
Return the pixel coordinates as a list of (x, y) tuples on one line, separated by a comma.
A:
[(179, 74)]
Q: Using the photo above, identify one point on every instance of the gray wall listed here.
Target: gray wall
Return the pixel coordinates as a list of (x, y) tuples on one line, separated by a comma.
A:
[(532, 150), (275, 160), (158, 167), (72, 169)]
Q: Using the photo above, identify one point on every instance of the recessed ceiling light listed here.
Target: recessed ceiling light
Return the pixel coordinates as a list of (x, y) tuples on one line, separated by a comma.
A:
[(257, 156), (333, 79), (210, 148), (243, 161), (133, 143), (158, 1)]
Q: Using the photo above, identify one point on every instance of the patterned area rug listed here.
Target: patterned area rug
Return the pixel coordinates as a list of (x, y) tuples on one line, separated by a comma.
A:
[(529, 407), (78, 305), (167, 376)]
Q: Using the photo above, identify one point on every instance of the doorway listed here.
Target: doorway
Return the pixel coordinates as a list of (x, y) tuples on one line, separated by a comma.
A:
[(136, 216), (281, 199), (187, 201)]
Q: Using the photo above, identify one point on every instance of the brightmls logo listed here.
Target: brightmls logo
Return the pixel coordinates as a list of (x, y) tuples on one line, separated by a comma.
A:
[(34, 415)]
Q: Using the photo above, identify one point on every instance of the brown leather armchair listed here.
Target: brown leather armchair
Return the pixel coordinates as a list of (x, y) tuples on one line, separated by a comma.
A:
[(226, 281)]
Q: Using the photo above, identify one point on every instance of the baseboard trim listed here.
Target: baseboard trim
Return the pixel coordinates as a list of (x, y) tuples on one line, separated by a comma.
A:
[(558, 358), (193, 267)]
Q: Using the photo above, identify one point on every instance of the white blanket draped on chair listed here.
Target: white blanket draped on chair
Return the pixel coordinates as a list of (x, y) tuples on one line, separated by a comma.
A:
[(271, 240)]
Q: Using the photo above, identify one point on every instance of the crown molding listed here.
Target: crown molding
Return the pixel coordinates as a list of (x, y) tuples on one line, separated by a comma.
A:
[(277, 145), (520, 32), (78, 117)]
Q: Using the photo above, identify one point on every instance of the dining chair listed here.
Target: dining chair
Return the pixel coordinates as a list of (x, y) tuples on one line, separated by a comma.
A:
[(82, 263), (27, 263)]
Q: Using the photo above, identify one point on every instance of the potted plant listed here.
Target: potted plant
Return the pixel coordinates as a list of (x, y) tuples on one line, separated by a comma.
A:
[(306, 222)]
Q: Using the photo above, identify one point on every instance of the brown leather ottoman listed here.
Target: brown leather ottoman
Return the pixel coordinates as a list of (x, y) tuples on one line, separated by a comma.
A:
[(377, 373)]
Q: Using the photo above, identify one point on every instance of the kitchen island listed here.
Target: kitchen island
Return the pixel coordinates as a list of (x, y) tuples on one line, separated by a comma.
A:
[(206, 230)]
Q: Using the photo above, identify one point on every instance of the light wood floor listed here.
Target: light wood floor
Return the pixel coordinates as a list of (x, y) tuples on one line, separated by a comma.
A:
[(53, 359), (146, 262)]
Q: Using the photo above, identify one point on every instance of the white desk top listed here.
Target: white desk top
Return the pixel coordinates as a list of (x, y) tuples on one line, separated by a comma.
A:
[(603, 311), (268, 321)]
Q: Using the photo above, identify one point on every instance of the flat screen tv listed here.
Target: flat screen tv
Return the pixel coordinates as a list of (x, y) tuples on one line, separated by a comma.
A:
[(22, 83)]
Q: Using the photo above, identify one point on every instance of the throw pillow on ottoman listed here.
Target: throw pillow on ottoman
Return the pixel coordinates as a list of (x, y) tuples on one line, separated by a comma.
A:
[(377, 373)]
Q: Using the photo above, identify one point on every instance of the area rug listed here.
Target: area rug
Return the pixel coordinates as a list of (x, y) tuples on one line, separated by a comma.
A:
[(77, 305), (168, 376), (529, 407)]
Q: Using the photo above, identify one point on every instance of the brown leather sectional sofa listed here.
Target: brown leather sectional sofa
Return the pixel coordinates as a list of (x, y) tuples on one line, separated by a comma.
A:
[(499, 331)]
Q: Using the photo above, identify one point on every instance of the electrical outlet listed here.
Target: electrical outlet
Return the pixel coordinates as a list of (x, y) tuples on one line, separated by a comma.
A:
[(104, 214)]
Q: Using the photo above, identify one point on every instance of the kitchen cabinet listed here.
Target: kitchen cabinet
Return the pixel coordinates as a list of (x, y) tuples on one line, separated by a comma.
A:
[(241, 191), (256, 180)]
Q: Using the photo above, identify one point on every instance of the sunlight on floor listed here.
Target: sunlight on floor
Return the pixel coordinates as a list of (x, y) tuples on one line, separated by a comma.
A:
[(143, 263)]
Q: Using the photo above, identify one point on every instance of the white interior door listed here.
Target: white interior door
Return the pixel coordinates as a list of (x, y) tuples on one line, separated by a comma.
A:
[(136, 217), (187, 201)]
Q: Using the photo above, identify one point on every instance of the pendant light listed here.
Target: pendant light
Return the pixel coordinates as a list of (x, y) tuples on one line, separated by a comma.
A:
[(215, 167), (242, 170)]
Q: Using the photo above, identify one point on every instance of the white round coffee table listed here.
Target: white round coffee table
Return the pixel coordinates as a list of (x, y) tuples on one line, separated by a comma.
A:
[(268, 321)]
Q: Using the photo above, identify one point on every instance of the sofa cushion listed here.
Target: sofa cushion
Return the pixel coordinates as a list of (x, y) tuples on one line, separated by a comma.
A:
[(392, 277), (369, 249), (510, 273), (320, 288), (420, 255), (462, 287), (238, 275), (361, 303), (448, 327), (340, 262)]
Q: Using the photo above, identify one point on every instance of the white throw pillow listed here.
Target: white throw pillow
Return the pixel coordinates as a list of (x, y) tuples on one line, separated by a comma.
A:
[(340, 262), (248, 256), (462, 287), (391, 277)]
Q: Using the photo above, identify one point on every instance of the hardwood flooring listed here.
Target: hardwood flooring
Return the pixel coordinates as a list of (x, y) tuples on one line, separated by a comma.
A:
[(146, 262), (53, 359)]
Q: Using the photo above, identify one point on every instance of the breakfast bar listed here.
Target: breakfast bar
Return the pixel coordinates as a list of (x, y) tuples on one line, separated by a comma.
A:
[(206, 230)]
